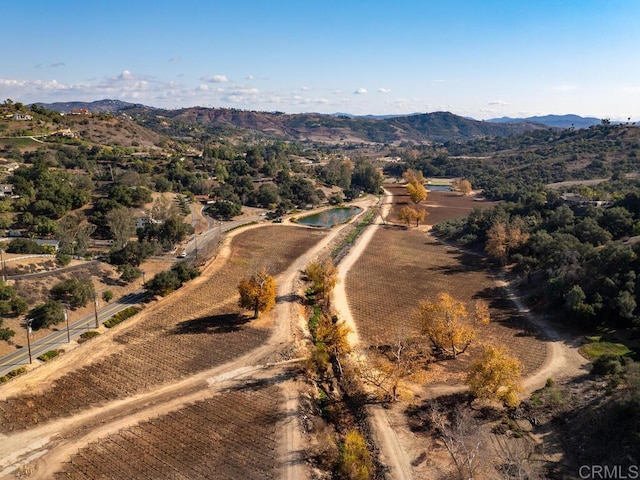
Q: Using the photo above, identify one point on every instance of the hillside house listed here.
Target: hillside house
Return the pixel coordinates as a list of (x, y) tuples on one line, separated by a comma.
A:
[(574, 199), (6, 189), (144, 218), (22, 116), (52, 244), (67, 133)]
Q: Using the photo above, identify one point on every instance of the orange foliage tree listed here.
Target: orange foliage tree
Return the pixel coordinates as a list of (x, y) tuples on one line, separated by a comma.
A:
[(450, 325), (502, 238), (258, 293), (496, 375)]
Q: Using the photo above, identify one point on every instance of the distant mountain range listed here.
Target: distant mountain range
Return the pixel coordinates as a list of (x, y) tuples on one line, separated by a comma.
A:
[(99, 106), (558, 121), (336, 128)]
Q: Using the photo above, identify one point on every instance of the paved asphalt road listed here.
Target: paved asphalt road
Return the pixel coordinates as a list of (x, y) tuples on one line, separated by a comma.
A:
[(58, 339)]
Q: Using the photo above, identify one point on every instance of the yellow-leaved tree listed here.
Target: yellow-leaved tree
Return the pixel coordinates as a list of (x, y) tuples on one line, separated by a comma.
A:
[(355, 461), (417, 192), (409, 214), (324, 276), (258, 293), (415, 186), (496, 375), (450, 325), (502, 238)]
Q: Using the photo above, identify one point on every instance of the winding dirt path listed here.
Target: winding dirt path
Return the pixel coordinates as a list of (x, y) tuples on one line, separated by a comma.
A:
[(392, 451)]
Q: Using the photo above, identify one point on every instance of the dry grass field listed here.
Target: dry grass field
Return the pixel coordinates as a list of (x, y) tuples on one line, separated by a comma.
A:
[(196, 328), (240, 442)]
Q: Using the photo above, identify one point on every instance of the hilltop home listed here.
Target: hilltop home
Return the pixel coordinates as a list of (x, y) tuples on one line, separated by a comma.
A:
[(143, 218), (22, 116)]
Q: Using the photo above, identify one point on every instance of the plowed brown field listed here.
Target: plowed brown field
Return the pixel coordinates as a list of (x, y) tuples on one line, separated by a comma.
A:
[(440, 205), (401, 267), (230, 436), (196, 328)]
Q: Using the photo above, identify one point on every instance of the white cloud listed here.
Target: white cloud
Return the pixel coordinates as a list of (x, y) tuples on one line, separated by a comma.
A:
[(125, 75), (500, 103), (215, 79), (250, 77), (203, 87), (360, 91), (384, 90), (305, 88), (244, 91), (175, 59)]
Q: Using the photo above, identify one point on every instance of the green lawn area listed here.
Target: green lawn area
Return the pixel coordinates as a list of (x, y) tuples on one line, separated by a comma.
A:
[(595, 347)]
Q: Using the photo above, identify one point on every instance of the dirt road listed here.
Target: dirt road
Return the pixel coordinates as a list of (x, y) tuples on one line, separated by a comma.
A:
[(40, 451), (562, 361)]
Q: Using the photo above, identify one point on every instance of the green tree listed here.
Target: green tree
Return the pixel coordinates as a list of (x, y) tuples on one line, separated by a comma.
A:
[(122, 224), (128, 273), (366, 176), (49, 313), (74, 291)]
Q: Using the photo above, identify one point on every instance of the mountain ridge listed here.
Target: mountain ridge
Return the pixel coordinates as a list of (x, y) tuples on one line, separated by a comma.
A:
[(325, 128), (559, 121)]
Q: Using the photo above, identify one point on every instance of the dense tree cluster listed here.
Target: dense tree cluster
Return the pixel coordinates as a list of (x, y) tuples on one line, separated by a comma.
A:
[(580, 259)]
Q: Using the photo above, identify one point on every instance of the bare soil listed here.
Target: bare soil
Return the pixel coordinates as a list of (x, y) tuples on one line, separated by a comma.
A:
[(194, 329), (387, 273), (439, 205)]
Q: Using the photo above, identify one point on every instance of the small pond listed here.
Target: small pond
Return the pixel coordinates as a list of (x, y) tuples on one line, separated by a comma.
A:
[(438, 188), (329, 218)]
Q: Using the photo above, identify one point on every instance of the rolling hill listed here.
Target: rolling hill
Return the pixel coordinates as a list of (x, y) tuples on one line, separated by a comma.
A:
[(315, 127)]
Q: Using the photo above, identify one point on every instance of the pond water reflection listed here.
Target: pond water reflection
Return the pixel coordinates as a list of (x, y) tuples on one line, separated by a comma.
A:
[(329, 218)]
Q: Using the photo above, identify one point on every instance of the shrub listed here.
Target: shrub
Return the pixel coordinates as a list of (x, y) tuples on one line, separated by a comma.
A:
[(607, 364), (49, 355), (121, 316), (63, 259), (12, 374), (355, 460), (107, 296), (87, 336), (6, 333)]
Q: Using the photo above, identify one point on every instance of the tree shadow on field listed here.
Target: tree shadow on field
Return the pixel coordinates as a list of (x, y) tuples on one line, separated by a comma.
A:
[(462, 262), (224, 323), (506, 313), (289, 298)]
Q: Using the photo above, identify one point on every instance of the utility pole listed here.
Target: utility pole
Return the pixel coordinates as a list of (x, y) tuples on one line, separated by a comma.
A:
[(95, 308), (66, 319), (4, 267), (29, 320)]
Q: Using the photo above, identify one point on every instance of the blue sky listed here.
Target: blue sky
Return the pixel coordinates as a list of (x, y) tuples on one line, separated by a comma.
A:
[(481, 59)]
